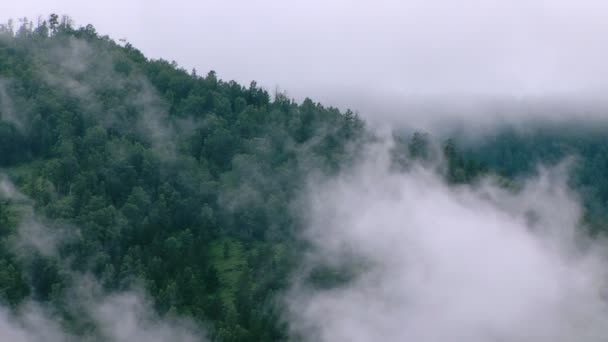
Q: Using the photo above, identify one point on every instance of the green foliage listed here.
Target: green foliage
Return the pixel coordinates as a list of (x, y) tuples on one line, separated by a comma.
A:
[(515, 154), (178, 180), (184, 182)]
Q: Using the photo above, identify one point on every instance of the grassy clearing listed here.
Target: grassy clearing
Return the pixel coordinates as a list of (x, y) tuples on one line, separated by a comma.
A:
[(228, 257)]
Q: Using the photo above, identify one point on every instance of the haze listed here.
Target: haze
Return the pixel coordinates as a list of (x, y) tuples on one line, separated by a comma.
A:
[(358, 54), (436, 263), (202, 193)]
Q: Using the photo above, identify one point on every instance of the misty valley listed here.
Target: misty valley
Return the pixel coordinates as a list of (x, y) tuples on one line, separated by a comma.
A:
[(140, 201)]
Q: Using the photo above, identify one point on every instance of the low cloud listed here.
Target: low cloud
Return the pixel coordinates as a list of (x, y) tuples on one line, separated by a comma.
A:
[(87, 72), (128, 317), (7, 109), (30, 325), (350, 52), (122, 317), (111, 316), (431, 262)]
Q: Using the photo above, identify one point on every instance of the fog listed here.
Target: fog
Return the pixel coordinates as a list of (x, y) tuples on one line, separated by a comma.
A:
[(372, 57), (429, 262), (432, 262), (119, 316)]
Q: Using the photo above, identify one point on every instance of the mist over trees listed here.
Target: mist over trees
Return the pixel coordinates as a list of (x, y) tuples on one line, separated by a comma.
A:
[(178, 181), (189, 186)]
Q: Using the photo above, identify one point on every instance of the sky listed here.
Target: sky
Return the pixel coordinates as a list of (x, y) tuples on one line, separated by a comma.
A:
[(360, 53), (438, 262)]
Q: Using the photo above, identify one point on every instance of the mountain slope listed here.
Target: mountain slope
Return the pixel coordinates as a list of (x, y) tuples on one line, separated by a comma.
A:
[(175, 180), (145, 175)]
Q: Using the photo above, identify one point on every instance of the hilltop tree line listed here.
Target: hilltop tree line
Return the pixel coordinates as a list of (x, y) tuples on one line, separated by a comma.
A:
[(183, 182), (195, 204)]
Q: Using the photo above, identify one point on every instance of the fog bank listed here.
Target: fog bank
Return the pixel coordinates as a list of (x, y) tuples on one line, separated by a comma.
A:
[(432, 262), (120, 316), (354, 53)]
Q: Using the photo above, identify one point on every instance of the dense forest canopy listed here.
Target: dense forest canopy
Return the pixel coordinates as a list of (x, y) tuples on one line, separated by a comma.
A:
[(174, 180), (187, 186)]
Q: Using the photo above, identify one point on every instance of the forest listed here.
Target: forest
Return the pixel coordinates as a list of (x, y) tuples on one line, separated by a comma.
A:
[(144, 174)]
